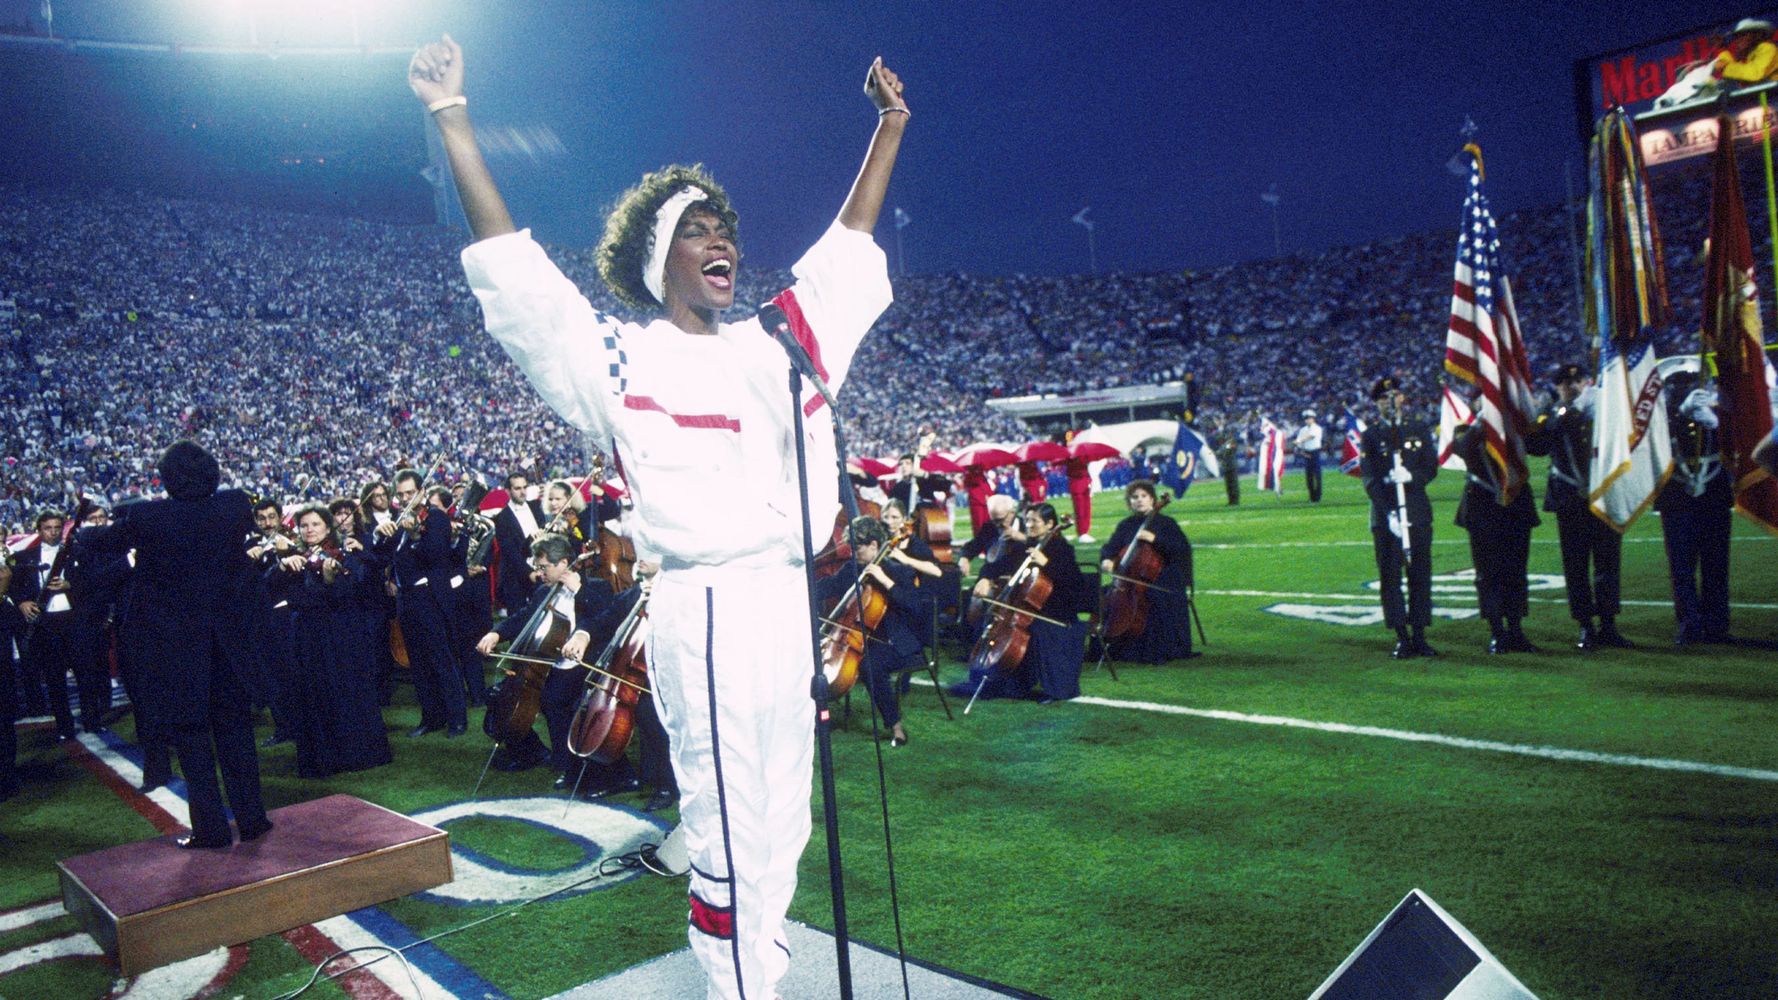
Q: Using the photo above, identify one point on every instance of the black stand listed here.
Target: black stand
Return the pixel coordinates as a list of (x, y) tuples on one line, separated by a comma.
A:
[(836, 875)]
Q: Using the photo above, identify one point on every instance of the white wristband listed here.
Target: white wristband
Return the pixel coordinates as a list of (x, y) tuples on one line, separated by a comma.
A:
[(447, 102)]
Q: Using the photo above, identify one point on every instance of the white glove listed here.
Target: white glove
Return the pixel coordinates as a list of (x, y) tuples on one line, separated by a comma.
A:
[(1588, 398), (1700, 405), (1400, 474)]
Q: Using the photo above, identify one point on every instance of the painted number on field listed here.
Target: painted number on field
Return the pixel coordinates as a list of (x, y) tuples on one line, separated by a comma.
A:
[(599, 831), (1354, 614), (1463, 582)]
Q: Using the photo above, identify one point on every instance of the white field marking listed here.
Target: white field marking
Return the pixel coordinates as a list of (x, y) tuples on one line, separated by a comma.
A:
[(1305, 594), (1460, 742), (129, 772), (30, 915), (69, 946)]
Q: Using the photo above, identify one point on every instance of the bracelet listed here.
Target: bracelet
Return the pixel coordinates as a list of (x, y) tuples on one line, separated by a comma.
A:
[(447, 102), (904, 111)]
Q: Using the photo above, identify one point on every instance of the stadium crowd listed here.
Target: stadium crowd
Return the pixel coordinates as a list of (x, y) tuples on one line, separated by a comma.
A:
[(313, 353)]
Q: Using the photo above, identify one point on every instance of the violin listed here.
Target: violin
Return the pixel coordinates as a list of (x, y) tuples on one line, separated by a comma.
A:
[(1125, 608), (513, 704), (1007, 636), (854, 623), (606, 716)]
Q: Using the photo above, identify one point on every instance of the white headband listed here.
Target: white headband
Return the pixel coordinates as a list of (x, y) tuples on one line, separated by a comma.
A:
[(666, 220)]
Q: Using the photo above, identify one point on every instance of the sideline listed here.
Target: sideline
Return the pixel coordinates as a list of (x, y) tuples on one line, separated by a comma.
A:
[(1453, 596)]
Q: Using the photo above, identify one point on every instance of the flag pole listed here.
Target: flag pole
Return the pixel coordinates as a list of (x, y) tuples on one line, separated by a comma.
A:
[(1765, 123)]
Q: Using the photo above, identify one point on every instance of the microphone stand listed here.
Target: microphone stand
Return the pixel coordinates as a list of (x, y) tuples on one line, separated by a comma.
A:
[(818, 688)]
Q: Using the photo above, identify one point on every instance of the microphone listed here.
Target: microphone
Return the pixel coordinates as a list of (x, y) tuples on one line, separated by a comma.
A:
[(772, 318)]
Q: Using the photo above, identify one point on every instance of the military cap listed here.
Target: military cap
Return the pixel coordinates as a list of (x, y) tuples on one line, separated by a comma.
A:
[(1384, 386)]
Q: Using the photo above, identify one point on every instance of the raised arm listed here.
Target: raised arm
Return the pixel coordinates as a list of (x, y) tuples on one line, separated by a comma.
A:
[(865, 201), (435, 75)]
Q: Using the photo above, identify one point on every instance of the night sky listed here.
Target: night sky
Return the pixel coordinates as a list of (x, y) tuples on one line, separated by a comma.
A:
[(1168, 119)]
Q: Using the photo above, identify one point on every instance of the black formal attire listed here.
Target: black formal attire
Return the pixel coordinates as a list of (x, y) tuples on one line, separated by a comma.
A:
[(184, 626), (472, 614), (338, 721), (12, 628), (1055, 652), (422, 566), (514, 585), (591, 607), (1378, 447), (55, 645), (1697, 510), (1592, 552), (96, 583), (1499, 535), (1230, 459), (1168, 635), (278, 682), (376, 607), (896, 644)]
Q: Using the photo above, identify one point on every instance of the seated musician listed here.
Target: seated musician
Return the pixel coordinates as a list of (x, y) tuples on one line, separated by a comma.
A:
[(577, 524), (991, 542), (937, 590), (1057, 647), (895, 643), (587, 603), (1167, 634), (655, 763)]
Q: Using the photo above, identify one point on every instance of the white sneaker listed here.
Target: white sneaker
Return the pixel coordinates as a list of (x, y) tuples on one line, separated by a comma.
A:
[(1085, 540)]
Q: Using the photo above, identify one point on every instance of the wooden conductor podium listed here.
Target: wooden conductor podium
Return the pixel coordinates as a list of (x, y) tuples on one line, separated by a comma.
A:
[(150, 903)]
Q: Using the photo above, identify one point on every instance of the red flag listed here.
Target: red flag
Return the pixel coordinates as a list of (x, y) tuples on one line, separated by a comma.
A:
[(1732, 330)]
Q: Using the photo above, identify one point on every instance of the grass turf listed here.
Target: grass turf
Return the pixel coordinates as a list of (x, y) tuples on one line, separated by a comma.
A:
[(1081, 850)]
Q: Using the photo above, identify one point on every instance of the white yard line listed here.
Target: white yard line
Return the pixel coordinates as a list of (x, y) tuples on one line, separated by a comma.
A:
[(1460, 742), (1446, 597)]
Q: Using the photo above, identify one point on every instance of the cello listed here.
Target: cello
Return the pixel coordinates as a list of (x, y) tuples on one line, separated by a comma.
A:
[(854, 623), (1007, 635), (1125, 604), (513, 705), (606, 716)]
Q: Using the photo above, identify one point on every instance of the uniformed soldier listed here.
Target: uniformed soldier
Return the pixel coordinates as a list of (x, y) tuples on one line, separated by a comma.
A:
[(1400, 451), (1229, 457), (1696, 509), (1499, 542), (1591, 551), (1308, 445)]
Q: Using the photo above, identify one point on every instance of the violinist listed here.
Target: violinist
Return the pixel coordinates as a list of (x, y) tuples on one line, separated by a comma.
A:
[(1167, 635), (471, 604), (514, 525), (379, 601), (12, 628), (421, 565), (339, 725), (895, 643), (270, 620), (588, 603), (568, 514)]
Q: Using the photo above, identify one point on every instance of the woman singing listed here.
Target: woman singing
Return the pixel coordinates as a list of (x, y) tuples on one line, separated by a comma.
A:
[(679, 400)]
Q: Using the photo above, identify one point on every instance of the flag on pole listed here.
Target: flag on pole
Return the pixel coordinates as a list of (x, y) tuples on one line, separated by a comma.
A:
[(1271, 457), (1453, 412), (1483, 345), (1626, 301), (1732, 329), (1352, 450), (902, 218), (1191, 453), (1080, 218)]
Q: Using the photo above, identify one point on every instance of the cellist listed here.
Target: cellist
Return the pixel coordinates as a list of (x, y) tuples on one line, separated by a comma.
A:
[(1057, 647), (895, 644), (1167, 635), (588, 603)]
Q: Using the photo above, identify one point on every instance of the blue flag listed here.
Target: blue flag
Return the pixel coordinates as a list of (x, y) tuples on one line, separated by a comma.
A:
[(1190, 454)]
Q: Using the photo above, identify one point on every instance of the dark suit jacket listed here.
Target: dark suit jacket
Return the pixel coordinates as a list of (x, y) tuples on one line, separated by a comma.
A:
[(186, 610), (515, 552)]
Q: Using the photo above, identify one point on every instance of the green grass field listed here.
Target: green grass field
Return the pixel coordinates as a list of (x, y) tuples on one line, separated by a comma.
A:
[(1108, 849)]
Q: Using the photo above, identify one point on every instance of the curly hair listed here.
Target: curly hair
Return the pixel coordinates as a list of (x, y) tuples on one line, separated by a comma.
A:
[(623, 250)]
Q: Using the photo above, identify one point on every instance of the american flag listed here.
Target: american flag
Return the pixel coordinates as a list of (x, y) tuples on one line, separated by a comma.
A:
[(1484, 346), (1271, 456), (1352, 451)]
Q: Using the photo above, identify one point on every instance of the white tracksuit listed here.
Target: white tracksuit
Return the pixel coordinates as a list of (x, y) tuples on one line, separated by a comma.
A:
[(701, 429)]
